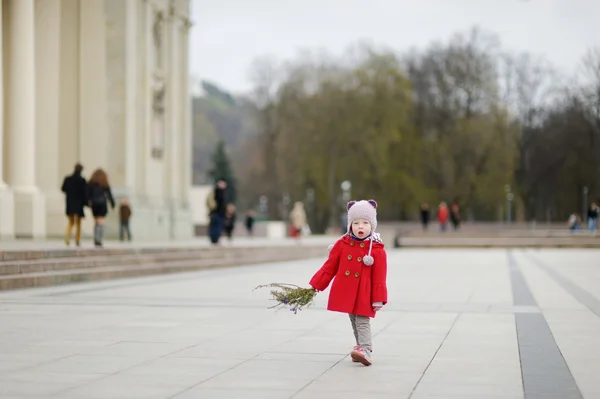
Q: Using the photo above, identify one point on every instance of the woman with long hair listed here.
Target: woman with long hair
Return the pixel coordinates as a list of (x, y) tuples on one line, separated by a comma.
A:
[(298, 219), (99, 194)]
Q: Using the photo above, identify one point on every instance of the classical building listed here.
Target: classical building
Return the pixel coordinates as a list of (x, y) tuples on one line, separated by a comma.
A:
[(104, 83)]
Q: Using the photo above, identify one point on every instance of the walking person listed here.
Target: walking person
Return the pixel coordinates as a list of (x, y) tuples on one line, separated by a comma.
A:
[(298, 219), (443, 215), (250, 219), (229, 221), (218, 208), (124, 217), (74, 187), (98, 195), (593, 213), (574, 222), (455, 216), (424, 215), (358, 262)]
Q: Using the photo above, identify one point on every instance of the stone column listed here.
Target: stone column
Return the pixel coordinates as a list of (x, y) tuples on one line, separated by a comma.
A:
[(186, 123), (7, 225), (174, 150), (48, 95), (141, 141), (116, 90), (30, 212), (146, 165), (69, 88), (122, 19), (93, 111), (131, 94), (92, 92), (154, 163), (69, 92)]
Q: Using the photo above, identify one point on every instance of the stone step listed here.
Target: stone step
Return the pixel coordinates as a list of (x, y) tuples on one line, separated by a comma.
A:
[(31, 263), (500, 234), (497, 242), (118, 266), (32, 254), (80, 262)]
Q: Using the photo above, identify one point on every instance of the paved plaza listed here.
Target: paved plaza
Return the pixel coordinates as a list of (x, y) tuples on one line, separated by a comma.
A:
[(461, 324)]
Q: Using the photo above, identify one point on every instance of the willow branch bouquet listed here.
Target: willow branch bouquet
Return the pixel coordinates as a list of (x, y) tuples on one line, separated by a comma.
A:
[(290, 296)]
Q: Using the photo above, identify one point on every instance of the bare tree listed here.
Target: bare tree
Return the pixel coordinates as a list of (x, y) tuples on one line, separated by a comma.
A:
[(455, 122), (266, 78)]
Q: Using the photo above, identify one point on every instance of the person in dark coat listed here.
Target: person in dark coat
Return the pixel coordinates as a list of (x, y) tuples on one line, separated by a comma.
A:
[(424, 215), (217, 215), (74, 187), (98, 196), (250, 222), (455, 216)]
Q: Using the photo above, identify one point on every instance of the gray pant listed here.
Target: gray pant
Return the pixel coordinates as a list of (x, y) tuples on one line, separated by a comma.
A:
[(362, 331)]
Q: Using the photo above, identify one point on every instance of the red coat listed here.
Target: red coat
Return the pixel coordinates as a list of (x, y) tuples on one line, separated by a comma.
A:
[(443, 215), (356, 286)]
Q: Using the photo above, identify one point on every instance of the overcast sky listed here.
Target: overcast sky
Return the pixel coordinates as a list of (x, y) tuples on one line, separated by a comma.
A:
[(229, 34)]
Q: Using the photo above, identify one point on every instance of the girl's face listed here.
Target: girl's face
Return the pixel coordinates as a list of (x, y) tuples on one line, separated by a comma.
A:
[(361, 228)]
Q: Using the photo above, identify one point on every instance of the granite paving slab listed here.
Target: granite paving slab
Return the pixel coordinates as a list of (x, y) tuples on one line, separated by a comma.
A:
[(468, 324)]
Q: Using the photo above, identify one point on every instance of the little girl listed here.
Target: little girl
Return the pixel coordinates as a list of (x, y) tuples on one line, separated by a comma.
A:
[(358, 262)]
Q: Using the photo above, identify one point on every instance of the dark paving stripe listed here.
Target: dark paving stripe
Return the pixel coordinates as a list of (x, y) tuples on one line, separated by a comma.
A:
[(522, 296), (583, 296), (544, 370)]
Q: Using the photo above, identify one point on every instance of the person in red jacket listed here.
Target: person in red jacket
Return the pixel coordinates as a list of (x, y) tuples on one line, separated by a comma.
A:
[(358, 262), (443, 215)]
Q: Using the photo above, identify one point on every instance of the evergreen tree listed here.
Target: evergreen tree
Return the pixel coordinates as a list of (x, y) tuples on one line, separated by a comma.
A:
[(221, 169)]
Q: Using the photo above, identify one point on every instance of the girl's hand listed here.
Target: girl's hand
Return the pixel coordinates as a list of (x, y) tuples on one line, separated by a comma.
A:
[(377, 308)]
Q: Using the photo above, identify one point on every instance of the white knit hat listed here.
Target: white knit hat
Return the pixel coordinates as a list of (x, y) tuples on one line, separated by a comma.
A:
[(363, 210)]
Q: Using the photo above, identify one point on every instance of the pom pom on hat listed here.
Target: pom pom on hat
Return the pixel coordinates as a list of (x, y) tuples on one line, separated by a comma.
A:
[(368, 260), (330, 247)]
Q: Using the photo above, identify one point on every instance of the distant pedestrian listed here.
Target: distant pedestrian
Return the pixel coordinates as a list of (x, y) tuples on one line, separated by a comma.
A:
[(218, 208), (442, 216), (229, 221), (249, 222), (74, 187), (124, 218), (574, 222), (298, 219), (424, 215), (455, 216), (593, 213), (98, 196)]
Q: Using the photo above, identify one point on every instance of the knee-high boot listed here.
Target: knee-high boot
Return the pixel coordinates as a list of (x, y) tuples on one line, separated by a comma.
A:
[(98, 233)]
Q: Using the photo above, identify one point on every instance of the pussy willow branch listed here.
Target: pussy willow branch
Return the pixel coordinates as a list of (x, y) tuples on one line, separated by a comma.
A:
[(276, 285)]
